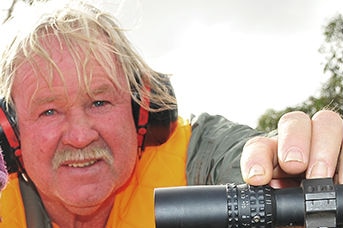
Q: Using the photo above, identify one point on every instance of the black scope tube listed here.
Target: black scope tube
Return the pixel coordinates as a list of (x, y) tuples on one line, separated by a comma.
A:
[(175, 207), (317, 203)]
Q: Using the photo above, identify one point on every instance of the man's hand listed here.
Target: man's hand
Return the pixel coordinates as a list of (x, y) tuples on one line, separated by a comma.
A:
[(304, 147)]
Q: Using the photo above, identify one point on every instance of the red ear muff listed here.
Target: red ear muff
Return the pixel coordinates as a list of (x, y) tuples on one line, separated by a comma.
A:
[(9, 141), (8, 131), (142, 125)]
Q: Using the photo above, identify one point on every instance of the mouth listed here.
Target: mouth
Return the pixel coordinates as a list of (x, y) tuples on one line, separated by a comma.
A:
[(80, 164), (81, 158)]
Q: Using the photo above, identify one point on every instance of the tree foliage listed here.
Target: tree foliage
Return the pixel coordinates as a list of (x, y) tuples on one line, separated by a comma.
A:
[(331, 92)]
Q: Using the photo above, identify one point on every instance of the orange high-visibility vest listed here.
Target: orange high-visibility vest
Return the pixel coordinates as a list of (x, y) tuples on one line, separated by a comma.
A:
[(159, 166)]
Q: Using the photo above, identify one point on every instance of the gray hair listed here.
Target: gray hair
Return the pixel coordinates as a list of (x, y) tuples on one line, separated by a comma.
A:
[(82, 28)]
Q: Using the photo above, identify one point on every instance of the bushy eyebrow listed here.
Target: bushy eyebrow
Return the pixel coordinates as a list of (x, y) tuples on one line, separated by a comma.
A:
[(38, 102), (45, 100), (106, 89), (99, 90)]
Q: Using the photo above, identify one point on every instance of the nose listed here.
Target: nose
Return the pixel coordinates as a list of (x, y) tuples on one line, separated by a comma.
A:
[(79, 131)]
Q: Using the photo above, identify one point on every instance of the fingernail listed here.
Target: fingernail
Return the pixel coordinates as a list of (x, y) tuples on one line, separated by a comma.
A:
[(320, 169), (256, 170), (294, 155)]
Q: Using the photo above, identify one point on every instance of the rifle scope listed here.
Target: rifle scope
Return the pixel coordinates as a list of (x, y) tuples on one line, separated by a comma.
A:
[(317, 203)]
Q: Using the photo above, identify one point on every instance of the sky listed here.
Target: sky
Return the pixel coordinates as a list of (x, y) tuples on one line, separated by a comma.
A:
[(236, 58)]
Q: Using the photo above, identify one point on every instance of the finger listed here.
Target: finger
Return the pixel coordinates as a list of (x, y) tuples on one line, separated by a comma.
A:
[(294, 140), (258, 159), (285, 183), (340, 168), (327, 132), (338, 177)]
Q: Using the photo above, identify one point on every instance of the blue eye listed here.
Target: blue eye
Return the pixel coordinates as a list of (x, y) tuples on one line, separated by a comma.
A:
[(49, 112), (99, 103)]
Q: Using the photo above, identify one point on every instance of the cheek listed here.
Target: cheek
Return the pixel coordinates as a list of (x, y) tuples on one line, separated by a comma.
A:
[(38, 145), (122, 138), (119, 125), (125, 138)]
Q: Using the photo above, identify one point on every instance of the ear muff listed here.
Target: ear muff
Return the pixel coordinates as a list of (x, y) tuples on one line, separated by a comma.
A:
[(154, 128), (9, 138)]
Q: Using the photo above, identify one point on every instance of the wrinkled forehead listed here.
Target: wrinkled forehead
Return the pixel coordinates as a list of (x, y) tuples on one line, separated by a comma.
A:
[(55, 55)]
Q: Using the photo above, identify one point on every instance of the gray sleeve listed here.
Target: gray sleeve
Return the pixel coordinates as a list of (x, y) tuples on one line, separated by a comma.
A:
[(214, 150)]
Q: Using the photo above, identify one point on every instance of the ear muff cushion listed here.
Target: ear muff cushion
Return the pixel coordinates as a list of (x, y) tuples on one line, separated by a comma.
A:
[(9, 137), (160, 126)]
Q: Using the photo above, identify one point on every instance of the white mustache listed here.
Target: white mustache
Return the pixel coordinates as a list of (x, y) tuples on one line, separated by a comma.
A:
[(80, 155)]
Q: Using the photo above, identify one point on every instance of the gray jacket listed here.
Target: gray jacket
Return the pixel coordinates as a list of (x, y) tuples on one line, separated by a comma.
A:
[(214, 150)]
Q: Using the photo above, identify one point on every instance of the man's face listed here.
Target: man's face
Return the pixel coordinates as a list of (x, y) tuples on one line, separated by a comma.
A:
[(77, 149)]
